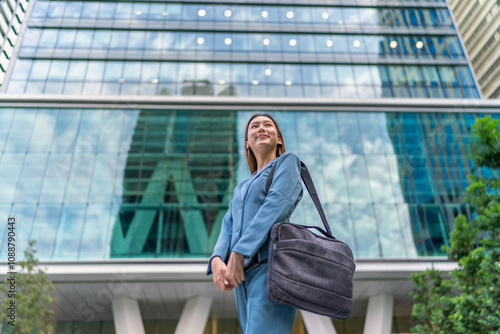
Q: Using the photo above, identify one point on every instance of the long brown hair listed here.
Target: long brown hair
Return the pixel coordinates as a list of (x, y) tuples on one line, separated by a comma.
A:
[(280, 148)]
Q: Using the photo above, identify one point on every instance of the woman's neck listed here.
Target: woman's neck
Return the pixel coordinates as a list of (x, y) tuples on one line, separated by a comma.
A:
[(264, 159)]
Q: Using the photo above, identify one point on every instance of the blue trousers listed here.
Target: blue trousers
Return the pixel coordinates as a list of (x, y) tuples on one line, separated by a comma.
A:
[(256, 312)]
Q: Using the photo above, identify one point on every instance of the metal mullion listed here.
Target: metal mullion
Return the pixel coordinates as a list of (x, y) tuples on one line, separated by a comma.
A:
[(402, 62), (152, 26), (200, 103)]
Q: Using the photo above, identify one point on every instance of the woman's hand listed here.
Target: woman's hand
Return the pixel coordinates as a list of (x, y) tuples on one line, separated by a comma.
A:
[(234, 272), (219, 273)]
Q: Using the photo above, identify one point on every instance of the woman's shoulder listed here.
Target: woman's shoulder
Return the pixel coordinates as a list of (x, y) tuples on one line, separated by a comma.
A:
[(289, 157)]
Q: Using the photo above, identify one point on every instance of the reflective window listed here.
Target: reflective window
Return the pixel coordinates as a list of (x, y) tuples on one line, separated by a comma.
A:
[(347, 81), (391, 183), (330, 15), (287, 45)]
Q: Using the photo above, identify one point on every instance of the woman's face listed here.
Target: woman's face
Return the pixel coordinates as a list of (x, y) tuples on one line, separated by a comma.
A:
[(262, 135)]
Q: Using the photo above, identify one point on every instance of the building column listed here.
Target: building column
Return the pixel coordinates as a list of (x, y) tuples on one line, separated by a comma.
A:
[(379, 315), (127, 316), (317, 324), (194, 316)]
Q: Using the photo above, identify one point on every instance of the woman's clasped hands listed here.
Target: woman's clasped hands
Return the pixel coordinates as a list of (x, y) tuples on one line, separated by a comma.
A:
[(230, 276)]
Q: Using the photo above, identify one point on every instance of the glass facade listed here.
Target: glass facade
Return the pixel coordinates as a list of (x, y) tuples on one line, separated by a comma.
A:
[(248, 80), (106, 183), (267, 12), (121, 182), (400, 49)]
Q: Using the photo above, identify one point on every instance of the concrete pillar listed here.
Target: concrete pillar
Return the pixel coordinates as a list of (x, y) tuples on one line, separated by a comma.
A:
[(127, 316), (194, 316), (379, 315), (317, 324)]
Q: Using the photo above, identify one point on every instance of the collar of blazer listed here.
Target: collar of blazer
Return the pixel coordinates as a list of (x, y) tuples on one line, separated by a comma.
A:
[(256, 175)]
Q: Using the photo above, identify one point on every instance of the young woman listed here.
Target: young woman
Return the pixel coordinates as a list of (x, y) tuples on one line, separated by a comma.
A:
[(246, 225)]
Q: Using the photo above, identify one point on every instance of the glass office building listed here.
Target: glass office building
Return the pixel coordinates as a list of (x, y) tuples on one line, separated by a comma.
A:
[(121, 140)]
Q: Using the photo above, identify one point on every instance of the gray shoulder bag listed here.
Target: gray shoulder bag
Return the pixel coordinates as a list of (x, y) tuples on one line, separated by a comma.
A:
[(306, 270)]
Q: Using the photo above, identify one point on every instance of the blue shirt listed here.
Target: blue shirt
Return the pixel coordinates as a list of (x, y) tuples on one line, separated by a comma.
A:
[(246, 225)]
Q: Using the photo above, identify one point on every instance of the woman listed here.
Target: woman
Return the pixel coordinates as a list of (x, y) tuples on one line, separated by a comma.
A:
[(246, 225)]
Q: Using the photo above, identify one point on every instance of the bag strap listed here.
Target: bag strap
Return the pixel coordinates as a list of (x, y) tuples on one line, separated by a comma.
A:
[(306, 177)]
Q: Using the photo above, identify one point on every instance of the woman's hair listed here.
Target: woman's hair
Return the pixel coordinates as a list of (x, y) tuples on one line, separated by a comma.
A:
[(280, 148)]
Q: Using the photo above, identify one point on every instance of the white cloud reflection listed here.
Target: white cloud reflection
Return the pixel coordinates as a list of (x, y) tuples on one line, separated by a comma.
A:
[(76, 158), (350, 156)]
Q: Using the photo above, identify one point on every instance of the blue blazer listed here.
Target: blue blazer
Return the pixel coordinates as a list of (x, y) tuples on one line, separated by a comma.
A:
[(246, 225)]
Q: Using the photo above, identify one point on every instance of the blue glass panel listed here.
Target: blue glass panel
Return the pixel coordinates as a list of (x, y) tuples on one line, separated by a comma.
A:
[(174, 11), (355, 44), (447, 75), (350, 16), (58, 70), (136, 40), (24, 215), (349, 134), (465, 76), (55, 9), (11, 165), (118, 39), (124, 10), (342, 225), (157, 11), (69, 232), (101, 40), (45, 229), (73, 9), (48, 38), (40, 9), (31, 39), (366, 234), (83, 39), (107, 10), (327, 74), (140, 11), (66, 131), (113, 71), (90, 10), (43, 131), (97, 231), (340, 44), (21, 70), (390, 231)]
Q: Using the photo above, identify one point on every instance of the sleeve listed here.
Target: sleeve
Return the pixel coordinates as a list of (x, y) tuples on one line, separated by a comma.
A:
[(284, 194), (221, 248)]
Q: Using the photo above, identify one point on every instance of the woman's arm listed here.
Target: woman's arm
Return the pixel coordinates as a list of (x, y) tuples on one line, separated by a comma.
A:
[(284, 193), (224, 240), (216, 264)]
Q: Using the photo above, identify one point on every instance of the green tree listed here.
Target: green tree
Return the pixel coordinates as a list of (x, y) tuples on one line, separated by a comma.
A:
[(467, 300), (32, 298)]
